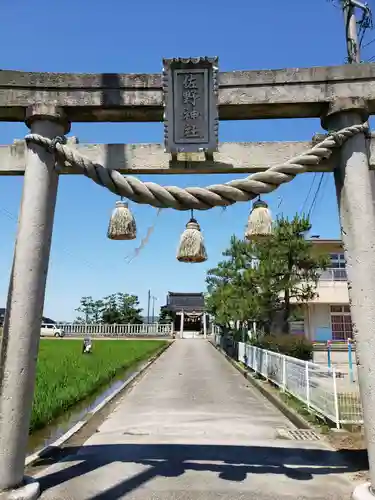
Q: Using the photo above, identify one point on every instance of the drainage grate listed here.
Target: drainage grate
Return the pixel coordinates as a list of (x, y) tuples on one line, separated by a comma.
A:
[(298, 434)]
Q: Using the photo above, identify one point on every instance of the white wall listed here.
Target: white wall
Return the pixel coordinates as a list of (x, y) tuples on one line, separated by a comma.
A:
[(318, 322), (331, 292)]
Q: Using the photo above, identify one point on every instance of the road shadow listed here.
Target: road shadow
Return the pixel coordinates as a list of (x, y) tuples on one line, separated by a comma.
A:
[(231, 463)]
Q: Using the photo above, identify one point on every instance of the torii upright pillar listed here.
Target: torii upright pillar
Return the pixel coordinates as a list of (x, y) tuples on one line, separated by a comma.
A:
[(20, 343), (355, 186)]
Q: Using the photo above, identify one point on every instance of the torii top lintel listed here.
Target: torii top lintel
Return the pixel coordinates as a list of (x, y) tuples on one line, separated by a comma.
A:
[(242, 95)]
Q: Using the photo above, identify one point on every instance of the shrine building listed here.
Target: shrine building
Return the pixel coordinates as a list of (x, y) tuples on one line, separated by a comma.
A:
[(187, 311)]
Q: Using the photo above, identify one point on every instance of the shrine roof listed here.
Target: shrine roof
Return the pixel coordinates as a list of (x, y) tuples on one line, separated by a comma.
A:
[(177, 301)]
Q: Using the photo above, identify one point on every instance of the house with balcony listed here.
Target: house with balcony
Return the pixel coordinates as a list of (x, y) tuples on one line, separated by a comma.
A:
[(327, 316)]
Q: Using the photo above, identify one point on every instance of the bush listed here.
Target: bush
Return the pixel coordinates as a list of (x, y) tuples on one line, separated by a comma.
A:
[(296, 346), (239, 335)]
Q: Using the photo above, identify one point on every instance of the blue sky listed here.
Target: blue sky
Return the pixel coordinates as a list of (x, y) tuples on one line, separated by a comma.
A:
[(133, 37)]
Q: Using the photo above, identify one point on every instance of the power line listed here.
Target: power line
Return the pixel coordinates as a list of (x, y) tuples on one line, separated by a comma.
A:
[(368, 43), (366, 22), (313, 203), (321, 191), (308, 194), (11, 216), (355, 31)]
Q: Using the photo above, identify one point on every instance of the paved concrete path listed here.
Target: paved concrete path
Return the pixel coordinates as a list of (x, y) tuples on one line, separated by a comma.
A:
[(193, 428)]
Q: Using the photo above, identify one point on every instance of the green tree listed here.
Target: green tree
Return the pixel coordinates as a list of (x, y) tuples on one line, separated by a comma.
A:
[(287, 266), (263, 278), (97, 310), (232, 286), (166, 316), (86, 307), (111, 312), (121, 308), (116, 308), (91, 310)]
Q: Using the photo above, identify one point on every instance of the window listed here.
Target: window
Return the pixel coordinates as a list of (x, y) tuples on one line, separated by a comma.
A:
[(337, 261), (341, 323), (336, 269)]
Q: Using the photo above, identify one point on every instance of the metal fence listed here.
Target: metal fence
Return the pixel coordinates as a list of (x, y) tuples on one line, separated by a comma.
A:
[(123, 330), (323, 390), (215, 329), (331, 274)]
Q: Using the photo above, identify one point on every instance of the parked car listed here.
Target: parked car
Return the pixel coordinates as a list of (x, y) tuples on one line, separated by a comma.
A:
[(51, 330)]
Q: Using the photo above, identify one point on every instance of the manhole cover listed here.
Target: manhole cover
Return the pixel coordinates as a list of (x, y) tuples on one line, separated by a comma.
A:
[(298, 434)]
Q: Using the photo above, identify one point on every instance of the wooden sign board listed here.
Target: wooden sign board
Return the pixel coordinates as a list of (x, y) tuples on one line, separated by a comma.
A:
[(190, 105)]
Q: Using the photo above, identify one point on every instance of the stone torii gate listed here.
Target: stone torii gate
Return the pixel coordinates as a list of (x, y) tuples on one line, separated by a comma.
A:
[(343, 97)]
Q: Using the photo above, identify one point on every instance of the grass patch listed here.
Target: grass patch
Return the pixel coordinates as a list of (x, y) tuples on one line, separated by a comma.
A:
[(65, 376), (308, 414)]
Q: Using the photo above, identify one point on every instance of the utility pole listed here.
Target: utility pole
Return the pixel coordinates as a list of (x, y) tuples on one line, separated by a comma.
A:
[(355, 187), (352, 45), (351, 34), (153, 308), (148, 306)]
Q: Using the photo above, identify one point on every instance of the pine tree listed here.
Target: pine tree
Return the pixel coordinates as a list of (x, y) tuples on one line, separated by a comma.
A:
[(259, 280)]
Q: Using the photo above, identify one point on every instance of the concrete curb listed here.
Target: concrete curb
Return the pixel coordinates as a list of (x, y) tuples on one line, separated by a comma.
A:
[(363, 492), (30, 490), (289, 413), (78, 426)]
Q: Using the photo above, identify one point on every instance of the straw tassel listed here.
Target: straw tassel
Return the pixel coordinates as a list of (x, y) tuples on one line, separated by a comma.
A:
[(122, 223), (259, 224), (191, 247)]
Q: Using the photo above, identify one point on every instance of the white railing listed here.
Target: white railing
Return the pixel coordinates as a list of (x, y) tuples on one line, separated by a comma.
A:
[(322, 390), (333, 274), (121, 330), (215, 330), (217, 338)]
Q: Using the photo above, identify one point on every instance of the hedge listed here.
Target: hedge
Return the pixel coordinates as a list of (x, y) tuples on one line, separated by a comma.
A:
[(296, 346)]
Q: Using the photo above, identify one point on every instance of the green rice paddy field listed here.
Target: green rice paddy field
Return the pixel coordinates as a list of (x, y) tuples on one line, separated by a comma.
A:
[(65, 376)]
